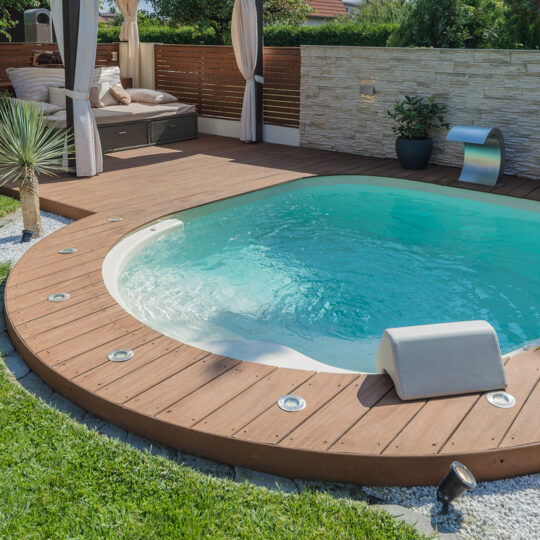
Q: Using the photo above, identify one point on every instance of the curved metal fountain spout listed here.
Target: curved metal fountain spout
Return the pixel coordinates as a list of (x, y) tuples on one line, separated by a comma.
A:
[(483, 160)]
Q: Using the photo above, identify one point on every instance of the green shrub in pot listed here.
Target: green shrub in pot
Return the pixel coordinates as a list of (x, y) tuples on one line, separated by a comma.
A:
[(414, 117)]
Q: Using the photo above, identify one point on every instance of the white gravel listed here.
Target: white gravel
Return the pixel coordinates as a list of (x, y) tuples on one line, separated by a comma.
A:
[(11, 248), (501, 510)]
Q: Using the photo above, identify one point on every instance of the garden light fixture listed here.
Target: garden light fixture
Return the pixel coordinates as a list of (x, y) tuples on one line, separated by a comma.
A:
[(458, 480)]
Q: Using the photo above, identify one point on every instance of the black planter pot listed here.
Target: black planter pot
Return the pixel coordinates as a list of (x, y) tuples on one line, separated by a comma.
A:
[(412, 153)]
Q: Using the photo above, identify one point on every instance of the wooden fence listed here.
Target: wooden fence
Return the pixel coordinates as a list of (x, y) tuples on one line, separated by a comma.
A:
[(22, 55), (207, 75)]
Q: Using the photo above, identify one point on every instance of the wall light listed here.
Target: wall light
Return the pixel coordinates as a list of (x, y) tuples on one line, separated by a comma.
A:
[(367, 90), (114, 56)]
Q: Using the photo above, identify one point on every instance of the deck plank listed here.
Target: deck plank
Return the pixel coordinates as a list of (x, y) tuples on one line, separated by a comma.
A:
[(379, 426), (485, 425), (333, 420), (254, 401), (275, 424), (176, 387), (526, 427), (204, 401), (151, 374)]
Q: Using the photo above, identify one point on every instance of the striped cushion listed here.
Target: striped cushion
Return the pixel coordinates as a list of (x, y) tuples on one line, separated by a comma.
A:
[(32, 83)]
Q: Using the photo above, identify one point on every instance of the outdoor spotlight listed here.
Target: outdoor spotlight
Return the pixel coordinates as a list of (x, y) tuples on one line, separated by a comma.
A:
[(458, 480), (27, 235)]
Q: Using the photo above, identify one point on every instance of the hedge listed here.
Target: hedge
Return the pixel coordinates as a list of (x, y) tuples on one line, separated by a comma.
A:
[(375, 35), (185, 35)]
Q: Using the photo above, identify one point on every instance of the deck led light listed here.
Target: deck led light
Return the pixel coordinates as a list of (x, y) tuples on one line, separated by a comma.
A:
[(115, 219), (27, 235), (291, 403), (67, 251), (59, 297), (501, 399), (458, 480), (120, 355)]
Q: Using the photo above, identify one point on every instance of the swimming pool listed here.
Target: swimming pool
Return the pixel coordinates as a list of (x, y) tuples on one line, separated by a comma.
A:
[(319, 267)]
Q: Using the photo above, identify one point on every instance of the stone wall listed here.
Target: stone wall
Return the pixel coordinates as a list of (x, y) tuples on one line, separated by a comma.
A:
[(494, 88)]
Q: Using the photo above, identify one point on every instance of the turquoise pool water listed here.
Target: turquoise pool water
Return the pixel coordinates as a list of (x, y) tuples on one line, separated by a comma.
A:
[(325, 268)]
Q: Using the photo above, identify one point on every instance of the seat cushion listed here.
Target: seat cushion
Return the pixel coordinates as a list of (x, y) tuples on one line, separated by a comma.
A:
[(130, 113)]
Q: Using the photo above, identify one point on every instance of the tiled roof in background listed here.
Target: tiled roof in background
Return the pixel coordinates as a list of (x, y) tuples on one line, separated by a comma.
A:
[(327, 8)]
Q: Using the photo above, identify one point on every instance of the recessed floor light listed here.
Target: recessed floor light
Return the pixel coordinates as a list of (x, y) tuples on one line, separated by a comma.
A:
[(59, 297), (67, 251), (501, 399), (115, 219), (120, 355), (291, 403)]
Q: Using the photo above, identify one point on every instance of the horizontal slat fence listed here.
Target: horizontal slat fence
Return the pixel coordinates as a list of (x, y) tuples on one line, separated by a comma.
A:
[(22, 55), (207, 75)]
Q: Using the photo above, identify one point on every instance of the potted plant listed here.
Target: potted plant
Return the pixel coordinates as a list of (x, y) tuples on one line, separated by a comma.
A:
[(414, 117), (29, 146)]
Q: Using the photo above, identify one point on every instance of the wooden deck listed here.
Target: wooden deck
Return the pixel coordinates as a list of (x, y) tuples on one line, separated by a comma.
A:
[(354, 427)]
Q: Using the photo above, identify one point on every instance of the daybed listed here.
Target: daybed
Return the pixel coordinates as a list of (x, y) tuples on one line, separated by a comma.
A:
[(140, 124), (147, 117)]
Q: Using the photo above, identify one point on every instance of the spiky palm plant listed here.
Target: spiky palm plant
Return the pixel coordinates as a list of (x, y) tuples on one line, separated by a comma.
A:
[(29, 146)]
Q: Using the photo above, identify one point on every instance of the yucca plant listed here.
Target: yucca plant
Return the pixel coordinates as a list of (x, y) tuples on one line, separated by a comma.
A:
[(29, 146)]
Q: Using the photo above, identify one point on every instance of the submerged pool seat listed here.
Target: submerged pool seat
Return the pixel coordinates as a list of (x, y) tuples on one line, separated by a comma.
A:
[(483, 159), (442, 359)]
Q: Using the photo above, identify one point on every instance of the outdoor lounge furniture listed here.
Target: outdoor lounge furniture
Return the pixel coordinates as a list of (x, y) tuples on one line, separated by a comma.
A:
[(483, 160), (442, 359), (120, 126), (140, 124)]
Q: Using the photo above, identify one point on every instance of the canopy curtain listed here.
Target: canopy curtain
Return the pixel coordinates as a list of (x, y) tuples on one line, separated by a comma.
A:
[(89, 159), (245, 43), (130, 33)]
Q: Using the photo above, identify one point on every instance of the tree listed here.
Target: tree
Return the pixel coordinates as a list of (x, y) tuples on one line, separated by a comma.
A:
[(29, 146), (450, 24), (217, 14), (522, 25), (8, 8), (379, 11)]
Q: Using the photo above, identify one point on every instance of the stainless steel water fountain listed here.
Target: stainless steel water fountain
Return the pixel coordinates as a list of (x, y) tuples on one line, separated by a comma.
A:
[(483, 160)]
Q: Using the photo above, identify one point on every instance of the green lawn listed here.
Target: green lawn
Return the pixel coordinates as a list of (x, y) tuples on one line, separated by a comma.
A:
[(4, 271), (59, 479), (7, 205)]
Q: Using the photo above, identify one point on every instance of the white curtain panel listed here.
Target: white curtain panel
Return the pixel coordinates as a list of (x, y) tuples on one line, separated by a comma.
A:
[(130, 33), (245, 43), (89, 158)]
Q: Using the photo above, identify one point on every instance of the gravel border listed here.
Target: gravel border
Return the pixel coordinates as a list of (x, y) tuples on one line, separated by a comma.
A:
[(11, 226)]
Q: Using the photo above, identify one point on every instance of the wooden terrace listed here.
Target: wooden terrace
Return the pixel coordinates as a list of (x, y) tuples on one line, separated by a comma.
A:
[(354, 427)]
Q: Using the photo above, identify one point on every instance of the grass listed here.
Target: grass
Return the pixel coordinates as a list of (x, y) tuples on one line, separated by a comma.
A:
[(59, 479), (7, 205), (4, 271)]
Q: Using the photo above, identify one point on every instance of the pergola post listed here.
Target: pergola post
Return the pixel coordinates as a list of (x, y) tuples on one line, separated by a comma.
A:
[(70, 11), (259, 71)]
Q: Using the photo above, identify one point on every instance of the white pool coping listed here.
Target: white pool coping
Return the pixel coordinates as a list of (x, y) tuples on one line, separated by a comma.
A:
[(267, 352)]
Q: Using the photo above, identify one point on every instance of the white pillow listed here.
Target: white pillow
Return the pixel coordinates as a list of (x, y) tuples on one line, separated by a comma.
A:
[(57, 96), (106, 74), (32, 83), (105, 78), (43, 107), (144, 95), (100, 96)]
